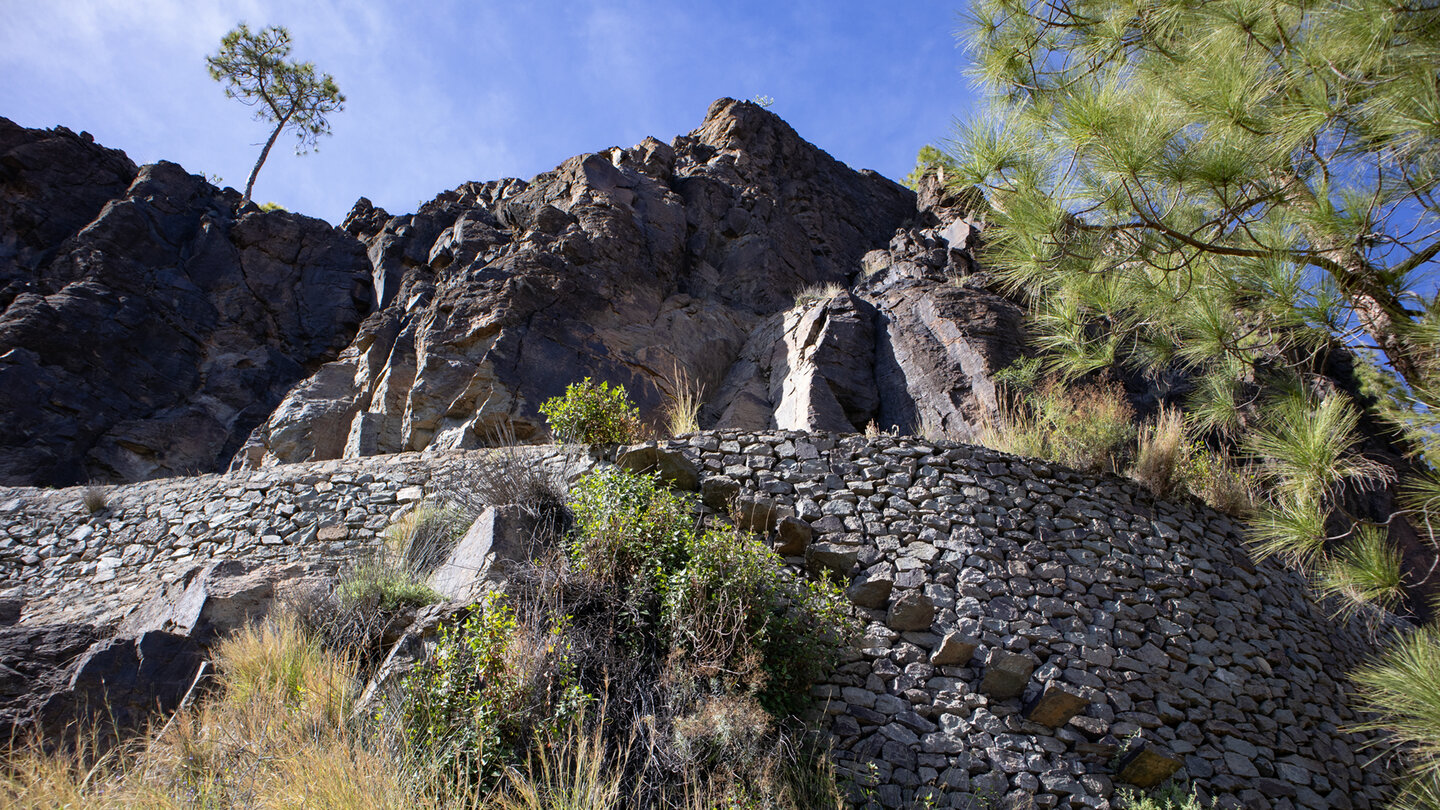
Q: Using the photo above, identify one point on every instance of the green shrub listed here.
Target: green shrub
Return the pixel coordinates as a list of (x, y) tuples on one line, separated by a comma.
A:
[(379, 585), (1169, 797), (733, 611), (476, 705), (591, 413)]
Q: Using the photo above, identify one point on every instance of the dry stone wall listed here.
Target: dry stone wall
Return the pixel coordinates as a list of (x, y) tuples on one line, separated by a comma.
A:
[(999, 595)]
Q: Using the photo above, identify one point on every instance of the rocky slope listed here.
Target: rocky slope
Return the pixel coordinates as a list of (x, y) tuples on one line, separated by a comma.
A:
[(630, 265), (146, 326)]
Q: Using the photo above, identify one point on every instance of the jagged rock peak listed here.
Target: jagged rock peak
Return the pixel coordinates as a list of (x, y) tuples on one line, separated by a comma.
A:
[(633, 264)]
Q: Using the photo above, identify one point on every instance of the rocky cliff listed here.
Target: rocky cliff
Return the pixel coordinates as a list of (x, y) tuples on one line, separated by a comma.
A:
[(631, 265), (146, 325)]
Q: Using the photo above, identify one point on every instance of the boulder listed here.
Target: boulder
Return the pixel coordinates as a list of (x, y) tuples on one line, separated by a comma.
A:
[(500, 536), (214, 600)]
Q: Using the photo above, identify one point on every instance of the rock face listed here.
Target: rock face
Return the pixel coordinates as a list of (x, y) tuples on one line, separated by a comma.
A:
[(145, 326), (630, 264)]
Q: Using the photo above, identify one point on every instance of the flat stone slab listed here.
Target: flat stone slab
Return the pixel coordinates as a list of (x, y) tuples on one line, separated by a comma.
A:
[(1055, 707), (1146, 768)]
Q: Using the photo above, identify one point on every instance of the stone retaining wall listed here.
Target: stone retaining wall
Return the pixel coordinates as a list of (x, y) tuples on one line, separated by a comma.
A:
[(977, 572)]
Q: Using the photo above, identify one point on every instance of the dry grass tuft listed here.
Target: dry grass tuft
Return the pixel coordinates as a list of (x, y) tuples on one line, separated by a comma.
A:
[(687, 395), (1161, 455), (818, 293), (94, 499)]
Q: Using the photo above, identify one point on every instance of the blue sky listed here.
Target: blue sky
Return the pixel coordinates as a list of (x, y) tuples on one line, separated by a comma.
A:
[(439, 93)]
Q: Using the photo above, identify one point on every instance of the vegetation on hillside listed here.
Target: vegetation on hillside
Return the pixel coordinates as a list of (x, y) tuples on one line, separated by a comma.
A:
[(647, 659), (1241, 195)]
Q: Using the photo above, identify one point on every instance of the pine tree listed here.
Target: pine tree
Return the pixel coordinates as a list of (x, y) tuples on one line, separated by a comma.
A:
[(1241, 190), (252, 66)]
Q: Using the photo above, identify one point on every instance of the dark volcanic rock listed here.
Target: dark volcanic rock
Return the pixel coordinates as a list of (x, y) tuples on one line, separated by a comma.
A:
[(620, 265), (35, 664), (147, 327), (626, 264)]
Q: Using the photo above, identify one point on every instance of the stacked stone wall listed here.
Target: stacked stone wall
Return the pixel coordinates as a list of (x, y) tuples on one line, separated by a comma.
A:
[(972, 570)]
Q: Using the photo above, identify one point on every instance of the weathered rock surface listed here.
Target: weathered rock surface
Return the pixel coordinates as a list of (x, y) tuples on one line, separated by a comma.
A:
[(630, 264), (146, 326)]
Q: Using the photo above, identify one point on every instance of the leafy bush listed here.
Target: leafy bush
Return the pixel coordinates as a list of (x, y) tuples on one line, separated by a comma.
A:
[(475, 705), (733, 611), (1219, 481), (591, 413)]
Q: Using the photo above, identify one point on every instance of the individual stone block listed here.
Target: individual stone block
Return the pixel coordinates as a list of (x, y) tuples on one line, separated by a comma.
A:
[(1055, 707), (718, 491), (793, 537), (955, 650), (673, 467), (872, 588), (1006, 675), (833, 557), (1146, 768), (755, 514), (911, 610)]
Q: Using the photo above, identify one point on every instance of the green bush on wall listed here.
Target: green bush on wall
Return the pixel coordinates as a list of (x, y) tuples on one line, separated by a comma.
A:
[(592, 413)]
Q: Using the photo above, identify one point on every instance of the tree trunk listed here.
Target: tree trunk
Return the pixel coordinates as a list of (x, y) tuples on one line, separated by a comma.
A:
[(264, 153)]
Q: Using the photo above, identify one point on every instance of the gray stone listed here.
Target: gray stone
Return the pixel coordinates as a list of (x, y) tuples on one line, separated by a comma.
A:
[(833, 557), (872, 588), (911, 610), (671, 465), (500, 536)]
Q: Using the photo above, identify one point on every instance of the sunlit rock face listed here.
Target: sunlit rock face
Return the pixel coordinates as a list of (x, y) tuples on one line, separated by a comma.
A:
[(628, 265)]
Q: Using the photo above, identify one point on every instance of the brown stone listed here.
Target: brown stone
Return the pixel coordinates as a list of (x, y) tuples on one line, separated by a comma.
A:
[(331, 534), (1145, 768), (1006, 675), (792, 536), (1055, 707), (911, 610), (955, 650)]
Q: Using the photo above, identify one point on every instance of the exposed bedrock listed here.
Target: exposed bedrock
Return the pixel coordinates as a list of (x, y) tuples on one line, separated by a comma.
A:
[(146, 326), (629, 265)]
